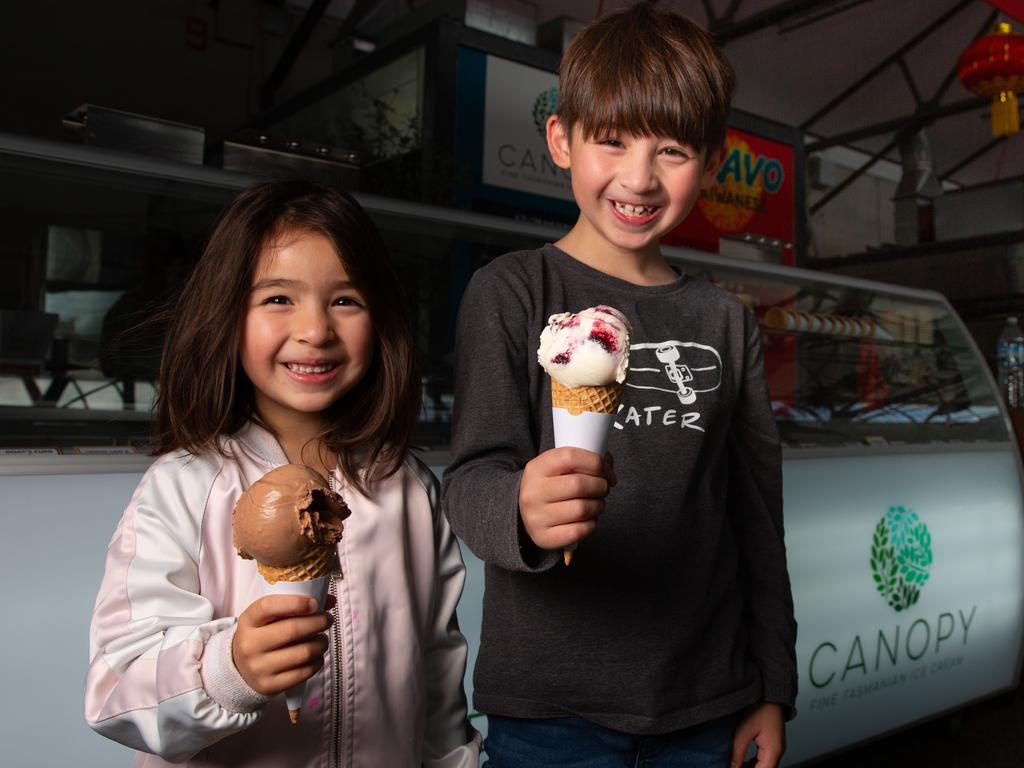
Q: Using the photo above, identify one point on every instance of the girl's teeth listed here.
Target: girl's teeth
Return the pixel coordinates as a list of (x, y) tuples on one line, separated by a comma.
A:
[(633, 210), (309, 368)]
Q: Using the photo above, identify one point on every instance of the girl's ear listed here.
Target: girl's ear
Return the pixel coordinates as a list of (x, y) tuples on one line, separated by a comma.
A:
[(558, 142)]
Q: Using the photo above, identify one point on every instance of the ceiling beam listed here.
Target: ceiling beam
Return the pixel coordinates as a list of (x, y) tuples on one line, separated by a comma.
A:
[(730, 12), (1014, 8), (828, 196), (709, 12), (925, 113), (291, 52), (908, 123), (359, 10), (911, 83), (726, 31), (985, 148), (893, 57)]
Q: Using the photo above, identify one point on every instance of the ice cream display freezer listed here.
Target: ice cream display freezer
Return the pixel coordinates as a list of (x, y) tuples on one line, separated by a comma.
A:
[(903, 508), (902, 478)]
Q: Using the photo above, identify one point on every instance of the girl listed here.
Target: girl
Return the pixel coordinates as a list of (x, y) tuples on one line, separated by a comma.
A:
[(287, 345)]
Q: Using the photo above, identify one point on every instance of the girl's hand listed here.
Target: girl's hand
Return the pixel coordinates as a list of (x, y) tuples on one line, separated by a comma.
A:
[(765, 726), (561, 494), (279, 642)]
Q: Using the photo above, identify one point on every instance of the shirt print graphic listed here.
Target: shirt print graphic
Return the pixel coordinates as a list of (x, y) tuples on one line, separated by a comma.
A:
[(666, 380)]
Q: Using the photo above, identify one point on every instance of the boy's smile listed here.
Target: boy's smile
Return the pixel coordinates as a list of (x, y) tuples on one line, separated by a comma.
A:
[(634, 214), (631, 190)]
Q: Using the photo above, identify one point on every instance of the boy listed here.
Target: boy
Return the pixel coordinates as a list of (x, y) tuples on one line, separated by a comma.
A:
[(669, 641)]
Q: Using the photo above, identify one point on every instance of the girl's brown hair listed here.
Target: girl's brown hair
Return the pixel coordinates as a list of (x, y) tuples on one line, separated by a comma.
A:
[(203, 392), (647, 71)]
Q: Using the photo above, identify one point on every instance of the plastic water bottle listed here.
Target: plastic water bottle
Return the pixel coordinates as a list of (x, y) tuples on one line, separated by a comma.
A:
[(1010, 356)]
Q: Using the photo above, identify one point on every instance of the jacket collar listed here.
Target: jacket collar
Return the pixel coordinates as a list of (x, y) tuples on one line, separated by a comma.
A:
[(259, 442)]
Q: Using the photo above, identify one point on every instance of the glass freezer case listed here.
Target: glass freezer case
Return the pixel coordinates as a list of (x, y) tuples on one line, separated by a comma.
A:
[(903, 508), (902, 476)]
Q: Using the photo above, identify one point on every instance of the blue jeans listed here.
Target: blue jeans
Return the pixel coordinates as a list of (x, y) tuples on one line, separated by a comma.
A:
[(571, 742)]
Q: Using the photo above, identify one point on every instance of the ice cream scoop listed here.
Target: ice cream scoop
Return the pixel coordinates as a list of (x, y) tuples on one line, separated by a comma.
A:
[(587, 356), (286, 515), (290, 522), (587, 348)]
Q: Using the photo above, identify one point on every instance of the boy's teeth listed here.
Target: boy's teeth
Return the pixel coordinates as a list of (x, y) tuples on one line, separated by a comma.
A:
[(309, 368), (634, 210)]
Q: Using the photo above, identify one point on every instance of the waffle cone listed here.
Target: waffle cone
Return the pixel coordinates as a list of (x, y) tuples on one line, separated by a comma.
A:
[(576, 400), (320, 563)]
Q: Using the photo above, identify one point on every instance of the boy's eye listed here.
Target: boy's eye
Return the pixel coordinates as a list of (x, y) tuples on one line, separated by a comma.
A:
[(677, 152), (610, 142)]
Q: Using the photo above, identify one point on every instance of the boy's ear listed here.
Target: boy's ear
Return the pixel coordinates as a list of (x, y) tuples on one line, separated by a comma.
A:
[(558, 142), (711, 165)]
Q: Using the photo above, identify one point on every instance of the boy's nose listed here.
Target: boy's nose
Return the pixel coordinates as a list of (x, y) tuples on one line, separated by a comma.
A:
[(637, 173)]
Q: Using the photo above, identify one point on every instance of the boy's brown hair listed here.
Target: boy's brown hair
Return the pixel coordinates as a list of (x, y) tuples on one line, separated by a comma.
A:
[(647, 71), (203, 392)]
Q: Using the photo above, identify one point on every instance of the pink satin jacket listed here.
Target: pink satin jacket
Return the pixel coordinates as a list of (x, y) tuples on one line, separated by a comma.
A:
[(161, 679)]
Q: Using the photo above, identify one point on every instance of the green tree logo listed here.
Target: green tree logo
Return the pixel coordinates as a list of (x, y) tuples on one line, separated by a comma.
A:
[(901, 557), (543, 106)]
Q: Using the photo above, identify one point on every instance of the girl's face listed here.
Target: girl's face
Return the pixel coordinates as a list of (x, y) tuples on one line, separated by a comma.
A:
[(307, 338)]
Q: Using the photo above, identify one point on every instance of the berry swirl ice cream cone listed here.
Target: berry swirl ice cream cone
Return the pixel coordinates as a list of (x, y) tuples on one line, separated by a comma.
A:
[(587, 356)]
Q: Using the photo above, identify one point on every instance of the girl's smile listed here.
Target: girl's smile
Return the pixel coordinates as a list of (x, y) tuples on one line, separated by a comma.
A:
[(312, 372)]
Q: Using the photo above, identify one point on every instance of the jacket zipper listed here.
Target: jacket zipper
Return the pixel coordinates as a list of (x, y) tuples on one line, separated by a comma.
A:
[(337, 664)]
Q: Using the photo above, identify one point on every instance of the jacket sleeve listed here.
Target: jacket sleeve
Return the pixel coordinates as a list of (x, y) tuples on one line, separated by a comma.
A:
[(151, 627), (449, 741), (492, 434), (755, 504)]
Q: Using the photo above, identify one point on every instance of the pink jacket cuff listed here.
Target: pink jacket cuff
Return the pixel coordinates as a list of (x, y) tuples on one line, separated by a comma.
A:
[(222, 680)]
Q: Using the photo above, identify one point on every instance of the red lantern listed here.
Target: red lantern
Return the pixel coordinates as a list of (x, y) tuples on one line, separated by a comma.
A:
[(993, 65)]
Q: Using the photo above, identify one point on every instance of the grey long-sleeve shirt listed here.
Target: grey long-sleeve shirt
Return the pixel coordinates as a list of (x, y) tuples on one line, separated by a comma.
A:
[(678, 609)]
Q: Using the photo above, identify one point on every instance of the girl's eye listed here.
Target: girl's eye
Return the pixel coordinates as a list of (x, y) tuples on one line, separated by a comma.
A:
[(347, 301), (277, 300)]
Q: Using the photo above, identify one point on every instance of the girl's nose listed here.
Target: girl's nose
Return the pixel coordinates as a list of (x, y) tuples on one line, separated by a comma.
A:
[(313, 326)]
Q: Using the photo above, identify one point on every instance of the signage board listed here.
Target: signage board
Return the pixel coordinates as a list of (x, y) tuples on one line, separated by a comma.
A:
[(515, 154), (751, 198), (908, 582), (501, 149)]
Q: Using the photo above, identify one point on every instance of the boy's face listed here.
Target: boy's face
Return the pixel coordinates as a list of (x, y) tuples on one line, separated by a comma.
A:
[(631, 190)]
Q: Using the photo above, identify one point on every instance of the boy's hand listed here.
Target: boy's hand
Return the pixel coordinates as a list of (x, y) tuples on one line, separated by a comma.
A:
[(561, 494), (279, 642), (765, 726)]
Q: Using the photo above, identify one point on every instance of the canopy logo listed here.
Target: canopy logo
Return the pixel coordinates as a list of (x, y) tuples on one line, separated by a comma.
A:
[(901, 557), (543, 107)]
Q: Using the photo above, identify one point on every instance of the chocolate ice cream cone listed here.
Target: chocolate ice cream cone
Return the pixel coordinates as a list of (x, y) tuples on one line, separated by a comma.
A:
[(290, 521), (276, 581), (320, 563)]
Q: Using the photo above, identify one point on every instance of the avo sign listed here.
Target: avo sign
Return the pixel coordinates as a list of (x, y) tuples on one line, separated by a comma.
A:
[(752, 195)]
